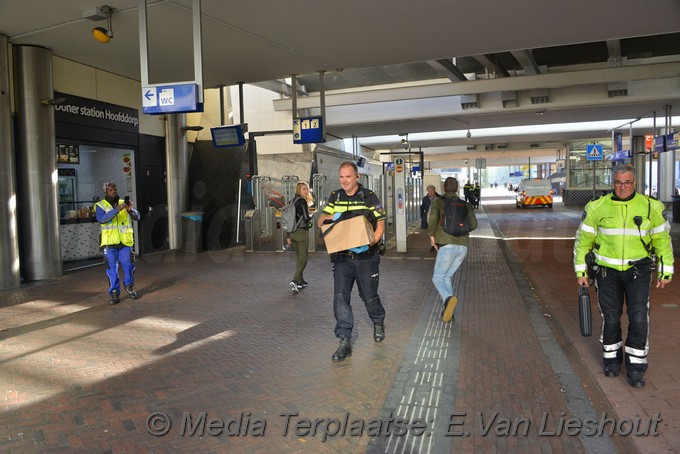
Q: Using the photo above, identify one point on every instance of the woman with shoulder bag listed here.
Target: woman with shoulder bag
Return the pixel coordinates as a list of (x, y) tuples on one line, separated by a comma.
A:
[(299, 239)]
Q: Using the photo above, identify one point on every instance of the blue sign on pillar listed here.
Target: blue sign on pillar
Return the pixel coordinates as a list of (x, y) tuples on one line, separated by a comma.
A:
[(672, 141), (594, 152), (308, 130), (163, 99), (659, 144)]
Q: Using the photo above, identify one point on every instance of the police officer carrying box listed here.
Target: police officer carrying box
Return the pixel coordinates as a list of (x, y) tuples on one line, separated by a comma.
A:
[(628, 235), (358, 264)]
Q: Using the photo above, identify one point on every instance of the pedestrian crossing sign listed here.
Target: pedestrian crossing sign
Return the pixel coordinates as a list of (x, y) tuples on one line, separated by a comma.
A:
[(594, 152)]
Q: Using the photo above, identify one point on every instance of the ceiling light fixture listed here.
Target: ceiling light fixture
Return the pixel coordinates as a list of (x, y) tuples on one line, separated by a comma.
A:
[(101, 34), (405, 142), (469, 134), (52, 102)]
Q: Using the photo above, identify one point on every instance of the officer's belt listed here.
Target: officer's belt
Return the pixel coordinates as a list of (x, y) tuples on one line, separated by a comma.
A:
[(356, 255)]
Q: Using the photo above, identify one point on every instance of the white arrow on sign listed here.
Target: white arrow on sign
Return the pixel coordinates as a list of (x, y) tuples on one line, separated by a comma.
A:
[(149, 97)]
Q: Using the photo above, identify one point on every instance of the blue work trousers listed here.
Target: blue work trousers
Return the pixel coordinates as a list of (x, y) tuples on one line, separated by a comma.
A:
[(364, 269), (124, 256)]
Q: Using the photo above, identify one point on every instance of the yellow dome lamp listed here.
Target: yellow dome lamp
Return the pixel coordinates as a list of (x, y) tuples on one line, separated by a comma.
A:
[(101, 34)]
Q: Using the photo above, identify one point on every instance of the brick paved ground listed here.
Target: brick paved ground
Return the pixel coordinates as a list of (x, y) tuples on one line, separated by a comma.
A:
[(545, 262), (220, 333)]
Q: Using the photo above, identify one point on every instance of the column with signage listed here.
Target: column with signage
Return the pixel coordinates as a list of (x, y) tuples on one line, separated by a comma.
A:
[(666, 168), (399, 198)]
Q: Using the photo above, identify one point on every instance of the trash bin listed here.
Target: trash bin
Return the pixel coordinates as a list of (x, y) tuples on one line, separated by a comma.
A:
[(676, 209), (192, 236)]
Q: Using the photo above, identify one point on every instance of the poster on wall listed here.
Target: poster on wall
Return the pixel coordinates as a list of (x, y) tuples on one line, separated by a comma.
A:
[(68, 154), (62, 154), (74, 154), (127, 170)]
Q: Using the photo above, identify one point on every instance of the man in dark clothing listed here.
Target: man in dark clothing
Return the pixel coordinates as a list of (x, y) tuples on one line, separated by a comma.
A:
[(359, 264), (425, 205), (467, 192)]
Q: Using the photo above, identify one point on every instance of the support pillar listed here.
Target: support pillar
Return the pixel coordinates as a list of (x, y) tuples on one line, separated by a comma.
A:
[(400, 204), (177, 163), (37, 208), (637, 148), (10, 277), (666, 188)]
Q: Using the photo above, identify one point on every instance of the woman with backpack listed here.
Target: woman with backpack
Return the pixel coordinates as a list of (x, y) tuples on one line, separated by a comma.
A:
[(299, 238)]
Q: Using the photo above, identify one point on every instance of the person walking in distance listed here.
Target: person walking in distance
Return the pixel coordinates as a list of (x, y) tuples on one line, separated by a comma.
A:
[(425, 207), (299, 238), (115, 216), (624, 235), (360, 265), (467, 191), (452, 248)]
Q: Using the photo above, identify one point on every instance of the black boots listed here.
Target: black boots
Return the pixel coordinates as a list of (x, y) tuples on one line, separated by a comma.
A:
[(115, 297), (636, 379), (612, 370), (344, 350), (378, 332)]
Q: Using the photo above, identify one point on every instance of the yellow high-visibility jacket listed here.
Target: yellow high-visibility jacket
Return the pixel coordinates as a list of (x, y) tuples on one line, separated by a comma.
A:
[(117, 229), (609, 227)]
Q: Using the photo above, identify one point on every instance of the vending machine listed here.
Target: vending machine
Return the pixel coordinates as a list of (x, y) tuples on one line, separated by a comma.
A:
[(67, 191)]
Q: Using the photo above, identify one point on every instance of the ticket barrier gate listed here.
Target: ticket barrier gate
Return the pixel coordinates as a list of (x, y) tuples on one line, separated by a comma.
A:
[(315, 241), (256, 236)]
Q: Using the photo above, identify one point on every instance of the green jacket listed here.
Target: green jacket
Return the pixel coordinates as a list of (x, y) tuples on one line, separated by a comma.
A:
[(435, 229), (608, 227)]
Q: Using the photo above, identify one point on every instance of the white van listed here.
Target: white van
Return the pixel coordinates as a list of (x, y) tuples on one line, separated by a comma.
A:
[(534, 193)]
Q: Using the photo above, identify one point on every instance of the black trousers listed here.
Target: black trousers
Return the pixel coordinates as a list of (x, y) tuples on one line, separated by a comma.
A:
[(613, 287), (364, 269)]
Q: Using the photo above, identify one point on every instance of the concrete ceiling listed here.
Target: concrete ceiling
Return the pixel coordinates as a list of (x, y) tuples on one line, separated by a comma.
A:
[(398, 66)]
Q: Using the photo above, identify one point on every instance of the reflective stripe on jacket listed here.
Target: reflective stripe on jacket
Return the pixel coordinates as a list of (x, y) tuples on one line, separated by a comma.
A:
[(363, 200), (118, 230), (609, 228)]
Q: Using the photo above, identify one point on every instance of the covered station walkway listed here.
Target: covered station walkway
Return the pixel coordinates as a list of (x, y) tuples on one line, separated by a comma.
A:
[(218, 356)]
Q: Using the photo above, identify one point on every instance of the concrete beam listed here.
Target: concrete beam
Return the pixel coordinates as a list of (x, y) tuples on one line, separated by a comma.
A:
[(442, 89)]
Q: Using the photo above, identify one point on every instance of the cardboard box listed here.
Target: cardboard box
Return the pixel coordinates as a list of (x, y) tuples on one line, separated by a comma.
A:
[(352, 232)]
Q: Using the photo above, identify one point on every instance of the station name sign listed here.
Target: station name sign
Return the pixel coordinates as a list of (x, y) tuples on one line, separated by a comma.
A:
[(89, 112)]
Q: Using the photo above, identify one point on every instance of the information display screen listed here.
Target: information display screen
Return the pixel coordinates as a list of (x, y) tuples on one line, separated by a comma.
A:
[(228, 136)]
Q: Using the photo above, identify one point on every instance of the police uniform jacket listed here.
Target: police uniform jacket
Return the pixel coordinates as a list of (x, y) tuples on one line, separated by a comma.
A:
[(623, 231), (364, 202)]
